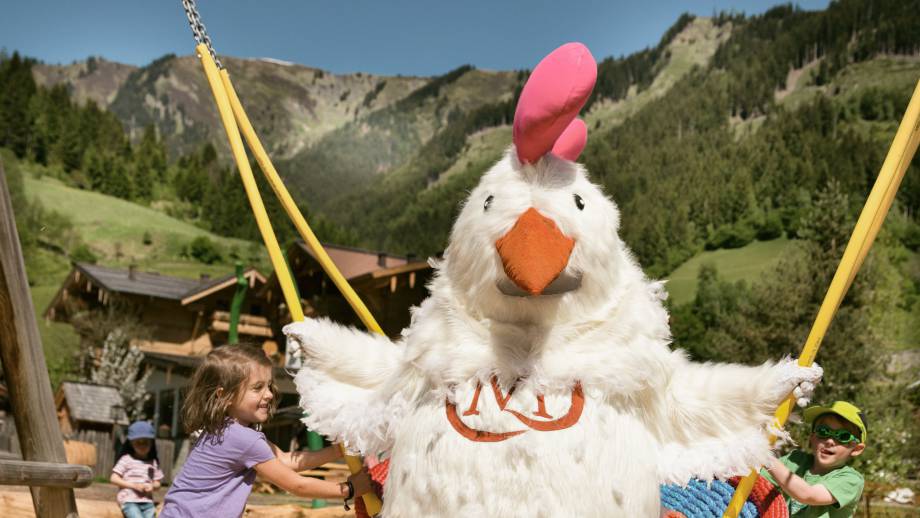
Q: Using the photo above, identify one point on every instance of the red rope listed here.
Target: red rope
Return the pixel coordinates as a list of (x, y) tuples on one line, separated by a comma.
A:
[(767, 499)]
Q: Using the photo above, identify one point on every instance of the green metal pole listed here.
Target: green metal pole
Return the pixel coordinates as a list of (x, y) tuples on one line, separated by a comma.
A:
[(315, 443), (241, 285)]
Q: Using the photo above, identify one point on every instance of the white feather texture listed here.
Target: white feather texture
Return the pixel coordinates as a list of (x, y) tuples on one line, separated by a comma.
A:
[(629, 412)]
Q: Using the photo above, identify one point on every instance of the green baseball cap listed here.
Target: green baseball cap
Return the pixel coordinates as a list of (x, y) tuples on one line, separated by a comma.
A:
[(847, 411)]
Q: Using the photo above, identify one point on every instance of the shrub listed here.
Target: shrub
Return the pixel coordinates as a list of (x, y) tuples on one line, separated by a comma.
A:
[(911, 237), (203, 250), (771, 228), (731, 236), (82, 254)]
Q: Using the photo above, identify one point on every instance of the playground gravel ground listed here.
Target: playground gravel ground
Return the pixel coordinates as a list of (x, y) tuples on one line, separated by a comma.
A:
[(98, 501)]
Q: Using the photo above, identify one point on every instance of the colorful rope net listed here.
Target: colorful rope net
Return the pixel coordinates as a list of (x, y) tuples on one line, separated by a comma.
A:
[(697, 500), (704, 500)]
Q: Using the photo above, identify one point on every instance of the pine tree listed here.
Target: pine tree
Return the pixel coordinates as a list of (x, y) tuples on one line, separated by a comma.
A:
[(69, 148), (117, 178), (93, 168), (17, 87), (151, 152)]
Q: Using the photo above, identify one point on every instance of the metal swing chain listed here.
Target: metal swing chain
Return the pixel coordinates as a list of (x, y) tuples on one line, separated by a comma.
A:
[(198, 29)]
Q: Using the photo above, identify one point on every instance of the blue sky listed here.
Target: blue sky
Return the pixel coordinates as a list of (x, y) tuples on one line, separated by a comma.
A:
[(411, 37)]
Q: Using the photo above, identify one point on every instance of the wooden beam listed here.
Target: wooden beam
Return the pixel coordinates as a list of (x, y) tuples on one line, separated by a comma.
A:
[(245, 329), (196, 326), (245, 318), (44, 474), (25, 368)]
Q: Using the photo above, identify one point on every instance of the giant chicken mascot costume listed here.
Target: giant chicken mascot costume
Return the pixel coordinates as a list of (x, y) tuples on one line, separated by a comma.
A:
[(536, 380)]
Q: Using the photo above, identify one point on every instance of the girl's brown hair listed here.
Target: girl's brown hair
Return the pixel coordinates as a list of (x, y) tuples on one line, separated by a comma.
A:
[(226, 368)]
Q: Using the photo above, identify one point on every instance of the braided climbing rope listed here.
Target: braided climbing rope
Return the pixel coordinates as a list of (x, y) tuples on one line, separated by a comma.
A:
[(709, 500), (697, 500)]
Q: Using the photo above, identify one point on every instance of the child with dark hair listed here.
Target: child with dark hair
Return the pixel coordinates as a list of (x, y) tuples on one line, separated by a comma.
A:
[(137, 472), (231, 394)]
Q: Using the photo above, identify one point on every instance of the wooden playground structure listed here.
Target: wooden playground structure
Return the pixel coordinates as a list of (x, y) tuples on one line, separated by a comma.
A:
[(45, 470)]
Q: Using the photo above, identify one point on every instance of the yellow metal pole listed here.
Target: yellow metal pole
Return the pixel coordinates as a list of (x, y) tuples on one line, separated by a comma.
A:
[(249, 183), (867, 227), (371, 502), (292, 211), (889, 196)]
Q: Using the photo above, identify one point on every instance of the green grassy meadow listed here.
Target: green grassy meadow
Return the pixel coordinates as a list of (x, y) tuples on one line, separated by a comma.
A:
[(890, 72), (745, 263), (114, 228)]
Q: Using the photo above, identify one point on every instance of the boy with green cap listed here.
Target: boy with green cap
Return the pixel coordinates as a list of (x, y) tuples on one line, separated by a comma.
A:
[(820, 484)]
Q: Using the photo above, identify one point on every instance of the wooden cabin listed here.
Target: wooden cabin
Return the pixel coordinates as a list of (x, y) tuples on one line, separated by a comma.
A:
[(185, 319), (188, 317), (387, 284), (87, 406), (184, 316), (92, 414)]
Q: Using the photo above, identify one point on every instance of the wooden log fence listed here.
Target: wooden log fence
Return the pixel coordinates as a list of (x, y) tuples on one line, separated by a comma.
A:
[(44, 474)]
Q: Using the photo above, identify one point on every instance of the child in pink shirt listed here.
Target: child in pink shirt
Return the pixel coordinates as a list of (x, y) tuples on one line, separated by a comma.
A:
[(137, 472)]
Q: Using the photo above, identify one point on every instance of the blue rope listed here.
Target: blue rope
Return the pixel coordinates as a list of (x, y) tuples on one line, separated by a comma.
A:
[(701, 500)]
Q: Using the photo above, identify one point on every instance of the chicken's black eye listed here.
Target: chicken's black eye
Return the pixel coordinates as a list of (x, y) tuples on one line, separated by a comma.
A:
[(580, 203), (488, 202)]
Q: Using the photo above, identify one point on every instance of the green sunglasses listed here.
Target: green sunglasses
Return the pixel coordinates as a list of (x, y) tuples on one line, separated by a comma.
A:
[(842, 436)]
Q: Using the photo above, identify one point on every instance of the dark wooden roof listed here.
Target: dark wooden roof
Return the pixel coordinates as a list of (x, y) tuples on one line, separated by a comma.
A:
[(150, 284), (352, 261), (140, 283), (89, 402)]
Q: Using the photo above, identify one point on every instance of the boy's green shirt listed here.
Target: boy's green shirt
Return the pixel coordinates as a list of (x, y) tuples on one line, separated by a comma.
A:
[(844, 483)]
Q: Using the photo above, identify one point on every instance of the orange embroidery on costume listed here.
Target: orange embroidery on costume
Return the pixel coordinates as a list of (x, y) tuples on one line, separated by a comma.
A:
[(569, 419), (541, 408)]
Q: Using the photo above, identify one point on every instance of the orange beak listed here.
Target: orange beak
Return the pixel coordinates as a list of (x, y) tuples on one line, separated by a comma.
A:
[(534, 252)]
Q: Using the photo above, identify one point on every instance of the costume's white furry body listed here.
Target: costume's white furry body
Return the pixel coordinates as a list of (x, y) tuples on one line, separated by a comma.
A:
[(649, 414)]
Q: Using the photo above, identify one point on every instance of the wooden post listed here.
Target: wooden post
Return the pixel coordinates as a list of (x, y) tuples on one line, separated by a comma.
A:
[(25, 368)]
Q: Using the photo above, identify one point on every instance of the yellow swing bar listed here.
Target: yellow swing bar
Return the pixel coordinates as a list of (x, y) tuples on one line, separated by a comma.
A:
[(231, 113), (867, 227)]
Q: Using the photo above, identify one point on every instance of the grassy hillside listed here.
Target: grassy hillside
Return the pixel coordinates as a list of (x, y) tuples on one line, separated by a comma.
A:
[(746, 263), (887, 72), (115, 229)]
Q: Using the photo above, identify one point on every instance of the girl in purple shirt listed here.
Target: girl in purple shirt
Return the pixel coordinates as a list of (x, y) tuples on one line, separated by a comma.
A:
[(230, 392)]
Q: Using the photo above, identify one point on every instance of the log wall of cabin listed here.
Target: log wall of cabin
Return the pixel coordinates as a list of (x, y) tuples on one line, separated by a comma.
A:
[(174, 329)]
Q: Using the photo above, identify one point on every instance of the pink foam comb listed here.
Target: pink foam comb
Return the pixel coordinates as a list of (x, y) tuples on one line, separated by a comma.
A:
[(572, 141), (554, 94)]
